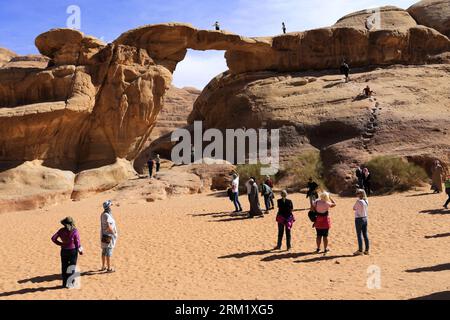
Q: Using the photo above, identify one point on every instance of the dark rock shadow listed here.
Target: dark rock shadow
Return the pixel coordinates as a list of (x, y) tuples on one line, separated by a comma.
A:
[(289, 255)]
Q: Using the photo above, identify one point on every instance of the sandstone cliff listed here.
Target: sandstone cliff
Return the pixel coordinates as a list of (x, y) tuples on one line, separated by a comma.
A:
[(87, 105)]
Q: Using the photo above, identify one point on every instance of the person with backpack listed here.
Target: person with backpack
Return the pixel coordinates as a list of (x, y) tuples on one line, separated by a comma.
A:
[(447, 191), (269, 182), (70, 248), (285, 220), (361, 213), (216, 25), (108, 236), (322, 220), (312, 191), (345, 70), (234, 195), (267, 194)]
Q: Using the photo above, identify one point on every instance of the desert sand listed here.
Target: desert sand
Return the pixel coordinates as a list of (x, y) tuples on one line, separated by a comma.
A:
[(192, 247)]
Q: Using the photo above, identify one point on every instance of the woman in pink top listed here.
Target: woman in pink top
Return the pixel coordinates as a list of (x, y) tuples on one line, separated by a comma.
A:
[(323, 222), (70, 247)]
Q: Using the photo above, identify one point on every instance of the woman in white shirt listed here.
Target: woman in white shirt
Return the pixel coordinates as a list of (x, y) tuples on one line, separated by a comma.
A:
[(361, 213)]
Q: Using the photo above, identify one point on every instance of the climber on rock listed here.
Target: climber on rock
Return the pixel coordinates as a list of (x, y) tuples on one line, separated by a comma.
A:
[(368, 92)]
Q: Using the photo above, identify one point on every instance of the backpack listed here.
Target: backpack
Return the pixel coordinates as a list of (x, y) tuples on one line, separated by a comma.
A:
[(230, 194), (312, 215)]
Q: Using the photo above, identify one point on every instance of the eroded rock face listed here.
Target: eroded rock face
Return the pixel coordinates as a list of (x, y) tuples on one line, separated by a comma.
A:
[(5, 56), (432, 13), (387, 17), (86, 103), (409, 118)]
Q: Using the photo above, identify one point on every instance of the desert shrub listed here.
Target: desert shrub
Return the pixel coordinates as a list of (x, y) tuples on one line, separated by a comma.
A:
[(390, 174), (246, 171), (297, 171)]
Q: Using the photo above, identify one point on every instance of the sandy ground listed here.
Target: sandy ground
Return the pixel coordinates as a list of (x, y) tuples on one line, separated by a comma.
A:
[(190, 247)]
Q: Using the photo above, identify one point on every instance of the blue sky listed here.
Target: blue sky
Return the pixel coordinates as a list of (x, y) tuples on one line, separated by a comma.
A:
[(22, 20)]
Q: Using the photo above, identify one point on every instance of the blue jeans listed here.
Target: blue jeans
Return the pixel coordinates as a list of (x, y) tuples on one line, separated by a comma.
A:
[(361, 232), (267, 201), (237, 204)]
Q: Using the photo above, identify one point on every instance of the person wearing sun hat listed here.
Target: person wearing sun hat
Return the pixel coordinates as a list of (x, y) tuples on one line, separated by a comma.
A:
[(108, 235), (68, 239)]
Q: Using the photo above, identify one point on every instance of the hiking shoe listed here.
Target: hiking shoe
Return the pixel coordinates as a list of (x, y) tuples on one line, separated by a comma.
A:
[(317, 250), (326, 251), (277, 248), (358, 253), (366, 252)]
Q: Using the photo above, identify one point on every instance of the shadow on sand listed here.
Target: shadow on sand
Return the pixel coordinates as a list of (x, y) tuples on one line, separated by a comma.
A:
[(324, 258), (435, 211), (440, 235), (419, 194), (42, 279), (443, 295), (436, 268), (288, 255), (245, 254)]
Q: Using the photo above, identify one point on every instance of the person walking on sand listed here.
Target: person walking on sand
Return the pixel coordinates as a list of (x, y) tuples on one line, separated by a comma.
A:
[(150, 164), (269, 182), (248, 187), (267, 193), (255, 208), (217, 26), (447, 191), (158, 162), (366, 177), (312, 191), (283, 27), (285, 220), (345, 70), (361, 209), (108, 236), (323, 220), (235, 193), (437, 173), (70, 248)]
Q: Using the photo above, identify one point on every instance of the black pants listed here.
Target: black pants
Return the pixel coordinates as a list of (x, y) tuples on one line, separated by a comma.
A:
[(367, 187), (447, 190), (157, 166), (150, 171), (68, 258), (281, 228)]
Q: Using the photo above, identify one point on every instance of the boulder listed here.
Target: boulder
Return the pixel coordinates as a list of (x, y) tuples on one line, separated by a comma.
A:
[(31, 185), (432, 13)]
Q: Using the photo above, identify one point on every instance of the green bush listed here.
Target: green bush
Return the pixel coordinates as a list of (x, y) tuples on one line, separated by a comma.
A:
[(296, 172), (246, 171), (390, 174)]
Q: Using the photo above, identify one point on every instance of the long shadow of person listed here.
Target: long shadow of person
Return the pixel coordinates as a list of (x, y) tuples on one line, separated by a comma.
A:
[(323, 258), (435, 211)]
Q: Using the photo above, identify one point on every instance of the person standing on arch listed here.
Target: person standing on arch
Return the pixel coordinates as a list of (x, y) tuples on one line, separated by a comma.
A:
[(283, 27), (217, 26)]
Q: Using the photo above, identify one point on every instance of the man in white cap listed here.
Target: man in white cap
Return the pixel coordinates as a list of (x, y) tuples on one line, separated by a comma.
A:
[(108, 236)]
